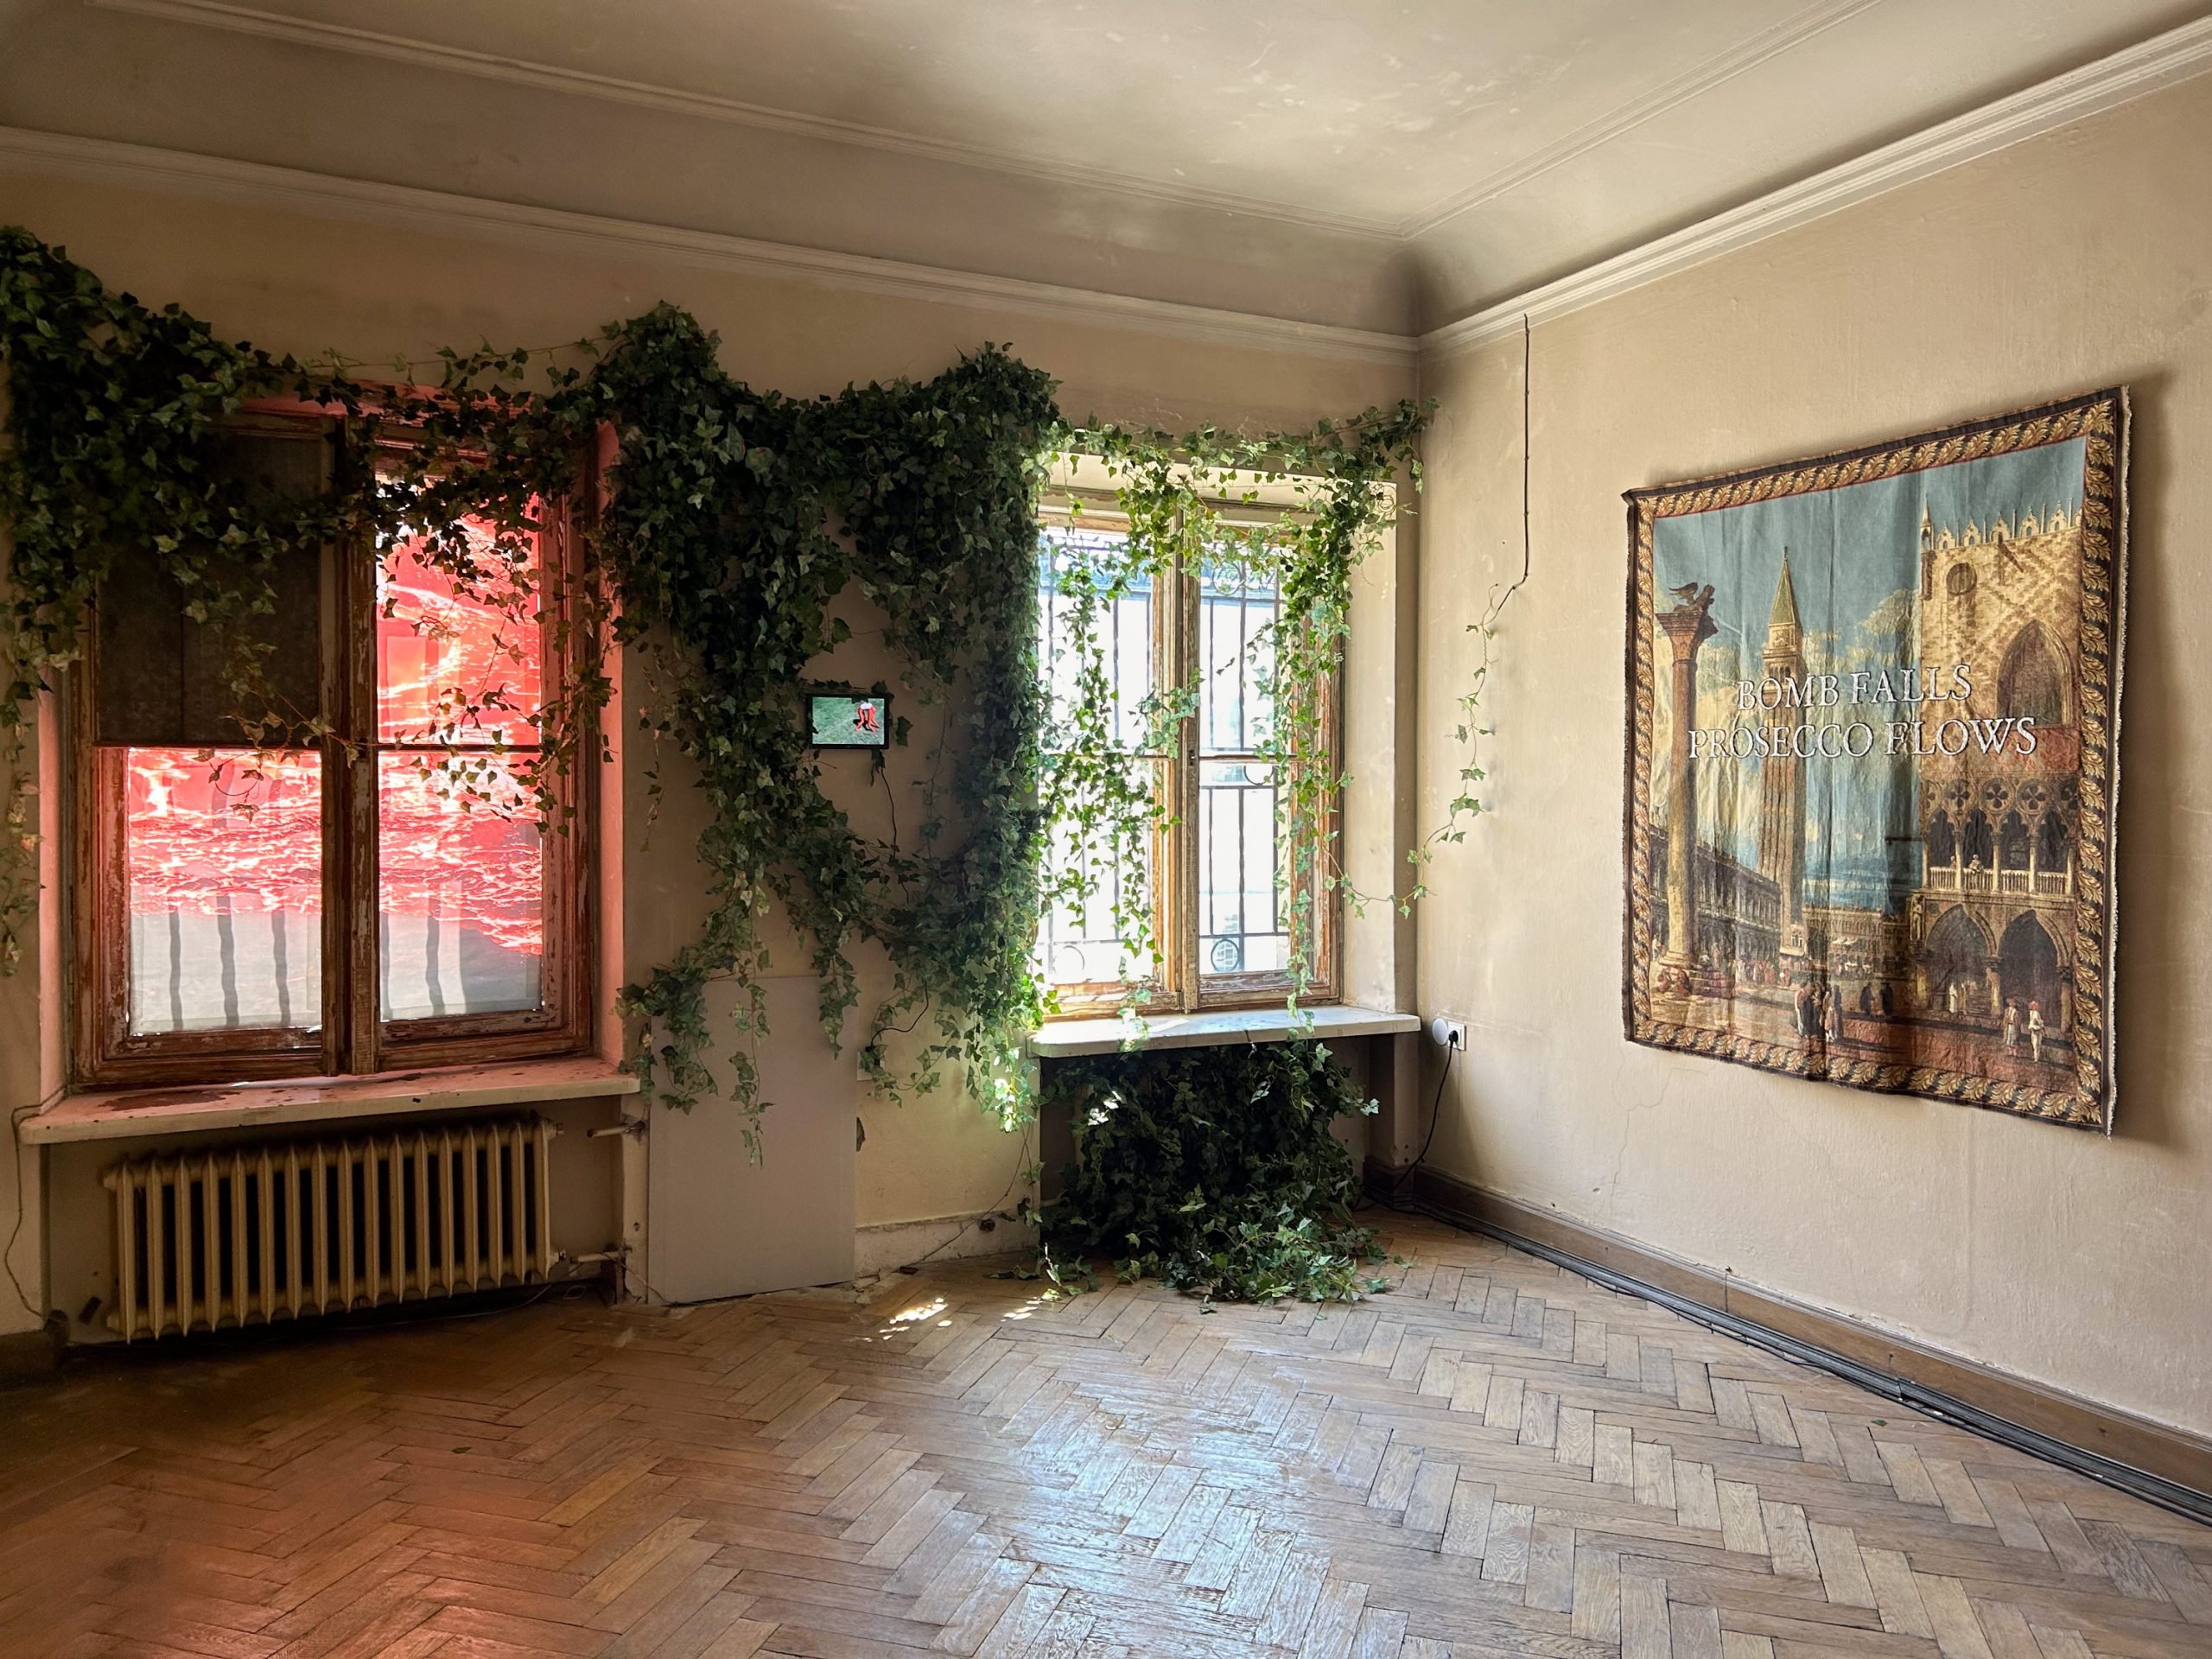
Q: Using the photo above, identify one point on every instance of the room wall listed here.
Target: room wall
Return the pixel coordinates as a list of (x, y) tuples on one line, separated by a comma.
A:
[(29, 1059), (293, 281), (2074, 261), (111, 73)]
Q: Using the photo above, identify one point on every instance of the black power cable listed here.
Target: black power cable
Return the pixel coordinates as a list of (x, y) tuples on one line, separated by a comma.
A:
[(1435, 1117)]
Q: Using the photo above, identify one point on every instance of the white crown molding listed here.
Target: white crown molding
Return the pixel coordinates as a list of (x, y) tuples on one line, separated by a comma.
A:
[(2162, 61), (2165, 61), (104, 160), (521, 71), (2127, 74), (1762, 48)]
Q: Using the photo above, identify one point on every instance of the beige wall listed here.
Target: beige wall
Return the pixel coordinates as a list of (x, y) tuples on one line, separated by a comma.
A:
[(293, 282), (110, 73), (2072, 262), (28, 1057)]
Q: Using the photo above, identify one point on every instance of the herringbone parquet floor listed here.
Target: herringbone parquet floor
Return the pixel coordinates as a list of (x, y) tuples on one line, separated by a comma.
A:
[(1496, 1457)]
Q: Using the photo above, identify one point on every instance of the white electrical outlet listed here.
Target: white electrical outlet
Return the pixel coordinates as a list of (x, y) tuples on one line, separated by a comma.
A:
[(1448, 1033)]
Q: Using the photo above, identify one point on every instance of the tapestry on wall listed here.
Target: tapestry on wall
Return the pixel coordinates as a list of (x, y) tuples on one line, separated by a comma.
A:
[(1873, 713)]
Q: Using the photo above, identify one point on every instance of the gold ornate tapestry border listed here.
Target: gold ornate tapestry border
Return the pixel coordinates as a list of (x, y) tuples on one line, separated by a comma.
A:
[(2099, 418)]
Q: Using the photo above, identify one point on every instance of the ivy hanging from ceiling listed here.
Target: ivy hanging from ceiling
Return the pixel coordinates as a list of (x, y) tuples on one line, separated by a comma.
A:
[(725, 529)]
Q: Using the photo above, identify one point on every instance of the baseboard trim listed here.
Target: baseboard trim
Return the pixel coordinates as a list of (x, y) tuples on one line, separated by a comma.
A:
[(2163, 1465), (885, 1246)]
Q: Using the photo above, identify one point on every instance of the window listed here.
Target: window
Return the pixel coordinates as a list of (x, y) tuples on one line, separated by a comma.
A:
[(1218, 905), (2029, 684), (384, 896)]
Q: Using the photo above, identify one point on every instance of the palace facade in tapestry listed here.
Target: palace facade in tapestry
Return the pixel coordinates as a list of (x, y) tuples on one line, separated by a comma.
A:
[(1871, 763)]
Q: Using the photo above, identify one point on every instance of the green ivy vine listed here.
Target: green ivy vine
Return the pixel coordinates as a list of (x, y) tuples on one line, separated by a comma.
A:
[(1187, 500), (1214, 1170), (728, 524), (729, 521), (736, 518)]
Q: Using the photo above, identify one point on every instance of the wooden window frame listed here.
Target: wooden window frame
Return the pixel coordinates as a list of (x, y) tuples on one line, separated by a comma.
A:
[(1183, 985), (354, 1039)]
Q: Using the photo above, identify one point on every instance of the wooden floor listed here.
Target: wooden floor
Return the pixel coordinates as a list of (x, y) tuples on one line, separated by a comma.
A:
[(1496, 1457)]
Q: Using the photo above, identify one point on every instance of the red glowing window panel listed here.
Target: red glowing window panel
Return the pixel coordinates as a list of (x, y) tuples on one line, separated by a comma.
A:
[(232, 902), (460, 851), (223, 867), (462, 901), (455, 666)]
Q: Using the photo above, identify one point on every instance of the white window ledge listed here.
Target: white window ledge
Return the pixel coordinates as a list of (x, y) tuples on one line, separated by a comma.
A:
[(1064, 1038), (127, 1114)]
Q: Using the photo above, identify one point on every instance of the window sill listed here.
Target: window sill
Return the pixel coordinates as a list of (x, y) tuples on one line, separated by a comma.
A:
[(128, 1114), (1065, 1039)]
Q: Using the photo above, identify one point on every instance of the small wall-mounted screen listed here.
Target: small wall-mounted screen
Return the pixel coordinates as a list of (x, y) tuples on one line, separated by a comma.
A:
[(839, 721)]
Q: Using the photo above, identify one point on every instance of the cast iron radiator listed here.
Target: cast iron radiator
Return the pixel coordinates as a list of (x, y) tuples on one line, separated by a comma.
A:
[(294, 1228)]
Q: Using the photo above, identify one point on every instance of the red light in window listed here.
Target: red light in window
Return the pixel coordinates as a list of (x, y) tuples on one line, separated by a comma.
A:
[(453, 664), (242, 826), (461, 903), (461, 856), (222, 858)]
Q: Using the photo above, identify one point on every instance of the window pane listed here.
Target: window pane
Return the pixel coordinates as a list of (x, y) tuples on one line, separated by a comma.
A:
[(163, 678), (223, 857), (1078, 944), (1240, 928), (1241, 925), (461, 900), (1236, 654), (451, 667), (1124, 630)]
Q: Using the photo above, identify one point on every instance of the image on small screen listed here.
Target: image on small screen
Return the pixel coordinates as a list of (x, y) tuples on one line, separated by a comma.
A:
[(848, 722)]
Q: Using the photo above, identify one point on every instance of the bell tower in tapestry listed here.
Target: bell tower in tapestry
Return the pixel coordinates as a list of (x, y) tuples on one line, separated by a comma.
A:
[(1781, 776)]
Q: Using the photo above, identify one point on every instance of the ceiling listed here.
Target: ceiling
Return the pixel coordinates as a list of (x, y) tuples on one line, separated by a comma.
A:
[(1388, 166)]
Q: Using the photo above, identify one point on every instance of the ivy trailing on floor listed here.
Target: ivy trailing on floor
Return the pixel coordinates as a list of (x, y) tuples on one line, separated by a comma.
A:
[(1213, 1170)]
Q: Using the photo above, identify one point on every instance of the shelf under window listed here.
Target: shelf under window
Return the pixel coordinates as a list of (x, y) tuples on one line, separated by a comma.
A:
[(118, 1115), (1065, 1039)]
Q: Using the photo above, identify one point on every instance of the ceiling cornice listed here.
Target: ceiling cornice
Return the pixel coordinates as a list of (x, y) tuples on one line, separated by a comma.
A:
[(2165, 61), (1769, 43), (2162, 61), (218, 178), (1762, 48), (521, 71)]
